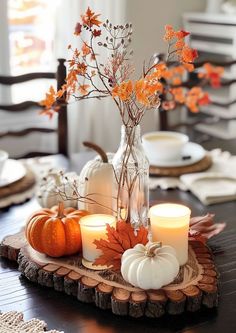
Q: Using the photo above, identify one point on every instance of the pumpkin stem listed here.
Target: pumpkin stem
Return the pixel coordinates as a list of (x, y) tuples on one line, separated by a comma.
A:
[(98, 149), (150, 252), (60, 211)]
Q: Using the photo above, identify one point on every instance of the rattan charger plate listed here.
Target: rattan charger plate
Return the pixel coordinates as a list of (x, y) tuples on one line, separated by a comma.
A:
[(199, 166), (18, 191)]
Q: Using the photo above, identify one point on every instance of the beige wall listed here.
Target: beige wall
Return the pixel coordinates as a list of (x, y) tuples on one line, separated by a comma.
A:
[(149, 18)]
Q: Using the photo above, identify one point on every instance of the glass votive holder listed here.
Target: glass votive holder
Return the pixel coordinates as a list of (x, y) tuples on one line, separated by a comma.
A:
[(93, 227)]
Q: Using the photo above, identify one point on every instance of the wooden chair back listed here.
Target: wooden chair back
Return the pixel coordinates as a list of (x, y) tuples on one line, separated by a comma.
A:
[(62, 125)]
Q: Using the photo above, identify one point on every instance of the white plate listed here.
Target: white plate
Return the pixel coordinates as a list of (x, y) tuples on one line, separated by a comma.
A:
[(12, 172), (192, 149)]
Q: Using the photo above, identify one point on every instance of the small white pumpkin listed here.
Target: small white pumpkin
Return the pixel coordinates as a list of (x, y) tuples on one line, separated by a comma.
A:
[(151, 266), (56, 187), (96, 183)]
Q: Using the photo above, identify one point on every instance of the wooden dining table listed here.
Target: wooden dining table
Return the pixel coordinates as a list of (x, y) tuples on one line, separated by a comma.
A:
[(67, 314)]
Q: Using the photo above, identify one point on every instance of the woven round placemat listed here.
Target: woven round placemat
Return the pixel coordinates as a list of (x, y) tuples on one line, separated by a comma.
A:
[(24, 184), (202, 165), (13, 322)]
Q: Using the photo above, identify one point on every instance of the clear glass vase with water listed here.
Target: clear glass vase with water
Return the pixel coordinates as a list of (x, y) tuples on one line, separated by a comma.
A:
[(131, 169)]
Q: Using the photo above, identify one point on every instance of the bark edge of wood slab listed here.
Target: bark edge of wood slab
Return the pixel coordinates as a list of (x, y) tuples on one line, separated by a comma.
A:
[(121, 301)]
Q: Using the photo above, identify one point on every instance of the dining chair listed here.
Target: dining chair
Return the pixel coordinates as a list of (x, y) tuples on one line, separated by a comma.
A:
[(34, 106)]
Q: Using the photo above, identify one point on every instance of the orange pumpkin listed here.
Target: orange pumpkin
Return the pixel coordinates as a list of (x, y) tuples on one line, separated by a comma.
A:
[(55, 231)]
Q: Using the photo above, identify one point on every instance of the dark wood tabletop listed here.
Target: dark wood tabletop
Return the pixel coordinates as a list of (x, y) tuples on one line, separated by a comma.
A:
[(65, 313)]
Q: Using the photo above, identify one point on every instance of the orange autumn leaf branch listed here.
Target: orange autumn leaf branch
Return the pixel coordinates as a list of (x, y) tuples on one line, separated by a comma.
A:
[(160, 84)]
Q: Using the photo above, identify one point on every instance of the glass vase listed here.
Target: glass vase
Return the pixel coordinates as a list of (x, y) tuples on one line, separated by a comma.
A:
[(131, 169)]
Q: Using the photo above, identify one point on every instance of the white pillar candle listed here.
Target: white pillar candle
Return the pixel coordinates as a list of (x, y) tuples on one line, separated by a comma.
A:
[(170, 225), (94, 227)]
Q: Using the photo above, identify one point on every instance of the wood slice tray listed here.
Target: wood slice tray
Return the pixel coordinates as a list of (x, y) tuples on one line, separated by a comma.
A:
[(200, 166), (195, 287)]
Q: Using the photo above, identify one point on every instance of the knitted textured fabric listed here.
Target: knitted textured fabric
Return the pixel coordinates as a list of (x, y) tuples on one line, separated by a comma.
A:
[(13, 322)]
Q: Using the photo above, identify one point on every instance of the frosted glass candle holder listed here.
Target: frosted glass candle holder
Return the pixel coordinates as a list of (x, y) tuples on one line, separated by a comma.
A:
[(170, 225), (94, 227)]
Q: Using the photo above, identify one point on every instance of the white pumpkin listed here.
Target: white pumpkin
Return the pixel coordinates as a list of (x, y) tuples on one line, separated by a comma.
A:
[(96, 183), (149, 267), (56, 187)]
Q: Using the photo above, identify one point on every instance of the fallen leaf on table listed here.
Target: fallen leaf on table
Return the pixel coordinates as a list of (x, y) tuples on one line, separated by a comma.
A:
[(118, 241), (203, 228)]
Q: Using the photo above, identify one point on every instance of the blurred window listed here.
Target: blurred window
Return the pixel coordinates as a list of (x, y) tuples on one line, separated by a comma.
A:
[(31, 35), (32, 25)]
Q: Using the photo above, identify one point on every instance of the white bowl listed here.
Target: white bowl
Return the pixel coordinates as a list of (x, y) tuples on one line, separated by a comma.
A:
[(3, 158), (164, 145)]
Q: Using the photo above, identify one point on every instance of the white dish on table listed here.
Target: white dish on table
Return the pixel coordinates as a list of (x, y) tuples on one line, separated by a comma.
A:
[(191, 154), (13, 171), (168, 145)]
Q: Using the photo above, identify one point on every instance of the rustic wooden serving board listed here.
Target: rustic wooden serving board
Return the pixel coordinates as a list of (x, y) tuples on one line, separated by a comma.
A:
[(195, 287)]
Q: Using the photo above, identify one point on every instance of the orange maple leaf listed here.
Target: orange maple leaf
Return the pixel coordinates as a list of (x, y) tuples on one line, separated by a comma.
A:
[(123, 91), (204, 100), (169, 33), (118, 241), (178, 94), (78, 29), (50, 98), (188, 55), (203, 228), (97, 33), (81, 68), (90, 18), (48, 112), (189, 67), (179, 45), (168, 105), (213, 74), (141, 92), (145, 90), (85, 49), (83, 89), (181, 34)]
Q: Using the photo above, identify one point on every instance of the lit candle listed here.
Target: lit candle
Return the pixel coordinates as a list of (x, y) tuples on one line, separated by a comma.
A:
[(170, 225), (94, 227)]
